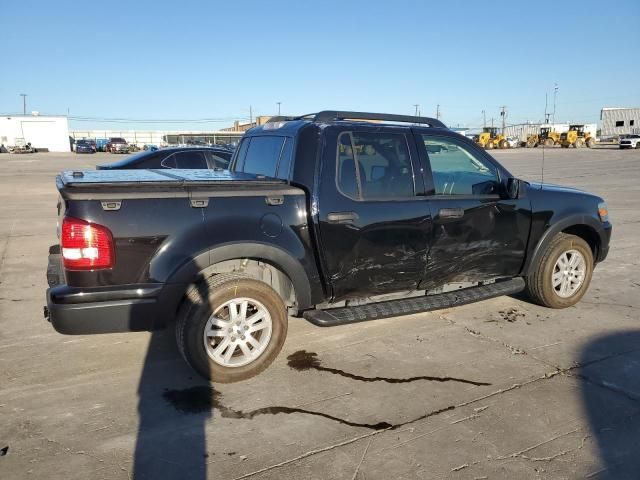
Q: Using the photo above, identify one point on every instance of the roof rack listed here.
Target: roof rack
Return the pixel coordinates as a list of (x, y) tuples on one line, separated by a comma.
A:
[(333, 115), (282, 118)]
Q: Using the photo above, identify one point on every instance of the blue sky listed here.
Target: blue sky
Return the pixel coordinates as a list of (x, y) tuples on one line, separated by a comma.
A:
[(211, 60)]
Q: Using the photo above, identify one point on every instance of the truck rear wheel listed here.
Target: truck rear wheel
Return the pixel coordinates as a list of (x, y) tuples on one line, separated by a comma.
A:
[(231, 327), (563, 273)]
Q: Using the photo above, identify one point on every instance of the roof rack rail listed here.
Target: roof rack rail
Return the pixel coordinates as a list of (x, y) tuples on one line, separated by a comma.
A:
[(332, 115), (281, 118)]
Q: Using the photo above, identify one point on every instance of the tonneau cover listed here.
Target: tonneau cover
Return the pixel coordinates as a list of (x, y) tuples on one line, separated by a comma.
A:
[(169, 177), (121, 184)]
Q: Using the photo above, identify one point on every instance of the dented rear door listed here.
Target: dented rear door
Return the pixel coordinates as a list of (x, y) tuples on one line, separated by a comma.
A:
[(374, 225)]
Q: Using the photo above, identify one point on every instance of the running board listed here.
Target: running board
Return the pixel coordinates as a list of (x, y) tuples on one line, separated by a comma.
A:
[(373, 311)]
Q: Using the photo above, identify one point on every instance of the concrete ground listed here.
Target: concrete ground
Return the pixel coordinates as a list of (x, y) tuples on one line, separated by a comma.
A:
[(497, 389)]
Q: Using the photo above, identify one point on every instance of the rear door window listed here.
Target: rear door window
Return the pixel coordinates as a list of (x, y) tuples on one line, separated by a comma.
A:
[(374, 166)]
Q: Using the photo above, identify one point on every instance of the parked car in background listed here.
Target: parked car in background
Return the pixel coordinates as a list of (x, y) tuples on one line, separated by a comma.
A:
[(117, 145), (101, 144), (630, 141), (85, 146), (175, 157)]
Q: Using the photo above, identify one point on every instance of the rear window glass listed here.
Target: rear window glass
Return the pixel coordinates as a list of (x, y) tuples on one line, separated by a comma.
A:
[(262, 155)]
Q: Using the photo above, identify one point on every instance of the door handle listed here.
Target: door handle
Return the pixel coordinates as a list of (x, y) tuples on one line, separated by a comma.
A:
[(342, 217), (451, 213)]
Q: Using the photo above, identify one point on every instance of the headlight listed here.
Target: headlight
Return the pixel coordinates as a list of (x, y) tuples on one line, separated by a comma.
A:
[(603, 212)]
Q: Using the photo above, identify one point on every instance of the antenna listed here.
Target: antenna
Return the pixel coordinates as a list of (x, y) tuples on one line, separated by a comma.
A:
[(542, 168), (546, 118)]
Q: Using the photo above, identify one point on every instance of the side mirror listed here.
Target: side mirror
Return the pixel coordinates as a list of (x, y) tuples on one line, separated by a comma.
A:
[(515, 188)]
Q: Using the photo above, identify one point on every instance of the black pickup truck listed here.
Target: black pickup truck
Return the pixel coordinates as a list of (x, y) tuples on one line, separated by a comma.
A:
[(336, 217)]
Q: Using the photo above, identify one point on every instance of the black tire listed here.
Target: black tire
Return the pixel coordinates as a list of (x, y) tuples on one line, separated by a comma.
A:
[(638, 144), (579, 143), (549, 142), (504, 144), (591, 142), (539, 283), (202, 300), (489, 146)]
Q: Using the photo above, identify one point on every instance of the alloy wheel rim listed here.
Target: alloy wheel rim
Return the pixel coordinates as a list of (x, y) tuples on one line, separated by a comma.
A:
[(568, 273), (237, 332)]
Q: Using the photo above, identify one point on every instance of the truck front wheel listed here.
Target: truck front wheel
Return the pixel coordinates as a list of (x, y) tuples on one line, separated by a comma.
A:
[(563, 273), (231, 327)]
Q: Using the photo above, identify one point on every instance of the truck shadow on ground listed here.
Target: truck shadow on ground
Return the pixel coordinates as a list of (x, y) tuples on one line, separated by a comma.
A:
[(610, 370)]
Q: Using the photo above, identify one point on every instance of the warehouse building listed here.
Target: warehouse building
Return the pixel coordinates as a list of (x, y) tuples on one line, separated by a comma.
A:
[(43, 132), (616, 121), (162, 137)]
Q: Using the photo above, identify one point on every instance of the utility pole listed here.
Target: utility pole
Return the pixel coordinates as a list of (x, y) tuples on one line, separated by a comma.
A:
[(503, 114), (24, 103), (555, 94), (416, 105), (484, 119), (491, 122), (438, 111), (279, 103)]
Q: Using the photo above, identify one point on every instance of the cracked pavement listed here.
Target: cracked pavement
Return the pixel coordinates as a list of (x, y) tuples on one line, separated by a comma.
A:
[(497, 389)]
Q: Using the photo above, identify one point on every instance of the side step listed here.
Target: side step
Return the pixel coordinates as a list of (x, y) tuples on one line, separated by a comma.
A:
[(373, 311)]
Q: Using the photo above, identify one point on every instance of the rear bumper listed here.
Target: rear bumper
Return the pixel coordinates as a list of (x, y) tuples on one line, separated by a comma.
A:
[(122, 308), (135, 308)]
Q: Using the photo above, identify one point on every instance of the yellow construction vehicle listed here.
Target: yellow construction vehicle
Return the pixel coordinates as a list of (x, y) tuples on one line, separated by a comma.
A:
[(577, 137), (546, 137), (490, 138)]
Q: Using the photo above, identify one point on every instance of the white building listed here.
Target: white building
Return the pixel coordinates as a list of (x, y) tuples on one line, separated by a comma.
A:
[(41, 131), (617, 121), (161, 137)]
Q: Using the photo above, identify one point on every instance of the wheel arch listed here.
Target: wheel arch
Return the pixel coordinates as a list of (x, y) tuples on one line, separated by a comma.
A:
[(264, 262), (584, 226)]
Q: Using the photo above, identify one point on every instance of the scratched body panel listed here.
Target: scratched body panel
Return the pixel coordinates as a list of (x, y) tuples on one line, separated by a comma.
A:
[(489, 241)]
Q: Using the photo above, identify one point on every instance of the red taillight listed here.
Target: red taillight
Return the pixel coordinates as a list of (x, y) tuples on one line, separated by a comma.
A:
[(85, 246)]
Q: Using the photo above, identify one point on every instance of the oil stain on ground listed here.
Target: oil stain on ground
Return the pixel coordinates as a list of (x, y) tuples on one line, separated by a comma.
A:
[(206, 398), (303, 360)]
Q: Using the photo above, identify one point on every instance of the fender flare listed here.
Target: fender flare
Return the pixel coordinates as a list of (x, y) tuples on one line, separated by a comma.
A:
[(279, 258), (559, 226)]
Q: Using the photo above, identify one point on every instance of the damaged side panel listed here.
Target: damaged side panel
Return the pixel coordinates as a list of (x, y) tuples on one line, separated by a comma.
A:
[(488, 241)]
